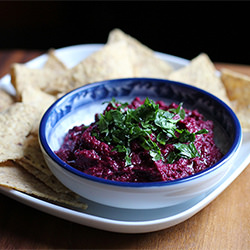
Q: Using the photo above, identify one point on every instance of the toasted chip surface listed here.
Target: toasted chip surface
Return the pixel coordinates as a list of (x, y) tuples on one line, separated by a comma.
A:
[(201, 73), (237, 86), (48, 180), (15, 177), (40, 101), (112, 61), (238, 90), (32, 154), (5, 100), (54, 63), (16, 123), (144, 61), (23, 77)]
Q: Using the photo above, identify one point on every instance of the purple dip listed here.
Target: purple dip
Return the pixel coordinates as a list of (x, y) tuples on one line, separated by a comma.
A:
[(83, 151)]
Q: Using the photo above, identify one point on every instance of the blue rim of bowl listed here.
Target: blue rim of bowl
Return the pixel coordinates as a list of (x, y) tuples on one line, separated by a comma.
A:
[(233, 149)]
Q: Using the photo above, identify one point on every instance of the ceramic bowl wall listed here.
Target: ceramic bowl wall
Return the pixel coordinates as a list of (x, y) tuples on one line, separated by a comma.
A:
[(79, 107)]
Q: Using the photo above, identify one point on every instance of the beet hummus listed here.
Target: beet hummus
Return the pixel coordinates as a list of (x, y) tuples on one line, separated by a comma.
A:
[(144, 141)]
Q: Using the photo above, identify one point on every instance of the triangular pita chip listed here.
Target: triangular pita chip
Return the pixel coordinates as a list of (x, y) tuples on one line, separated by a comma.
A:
[(15, 177), (201, 73), (144, 61), (32, 154), (23, 77), (54, 63), (110, 62), (16, 123), (238, 90)]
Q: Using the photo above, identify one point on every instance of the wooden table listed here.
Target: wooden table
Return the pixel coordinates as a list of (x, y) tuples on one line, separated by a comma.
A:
[(223, 224)]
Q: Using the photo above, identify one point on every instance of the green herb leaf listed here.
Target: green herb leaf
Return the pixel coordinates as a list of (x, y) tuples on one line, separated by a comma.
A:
[(121, 125), (187, 150)]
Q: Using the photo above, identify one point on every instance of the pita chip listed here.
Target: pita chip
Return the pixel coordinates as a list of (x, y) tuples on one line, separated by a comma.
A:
[(54, 63), (145, 63), (32, 155), (238, 90), (201, 73), (16, 123), (23, 77), (39, 100), (110, 62), (5, 100), (15, 177), (48, 180)]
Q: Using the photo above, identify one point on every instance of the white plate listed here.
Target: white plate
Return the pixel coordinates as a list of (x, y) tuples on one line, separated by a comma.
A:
[(125, 220)]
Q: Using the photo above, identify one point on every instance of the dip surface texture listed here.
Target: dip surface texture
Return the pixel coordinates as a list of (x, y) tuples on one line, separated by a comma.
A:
[(90, 150)]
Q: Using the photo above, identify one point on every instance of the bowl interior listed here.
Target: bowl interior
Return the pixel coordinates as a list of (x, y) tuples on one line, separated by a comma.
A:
[(79, 107)]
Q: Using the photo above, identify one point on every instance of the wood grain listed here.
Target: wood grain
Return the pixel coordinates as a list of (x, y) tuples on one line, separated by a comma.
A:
[(244, 69), (223, 224), (7, 57)]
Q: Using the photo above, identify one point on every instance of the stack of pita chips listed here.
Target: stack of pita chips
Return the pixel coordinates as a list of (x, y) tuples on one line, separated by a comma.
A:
[(22, 166)]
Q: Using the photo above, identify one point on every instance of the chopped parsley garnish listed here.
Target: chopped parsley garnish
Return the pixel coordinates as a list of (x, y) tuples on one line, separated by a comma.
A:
[(121, 125)]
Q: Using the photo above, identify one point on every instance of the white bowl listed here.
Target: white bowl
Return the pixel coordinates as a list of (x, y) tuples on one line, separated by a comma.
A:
[(79, 107)]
